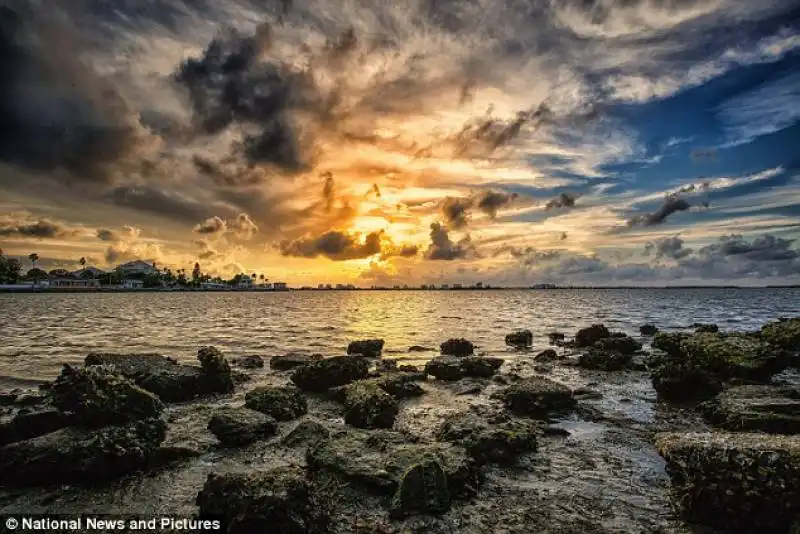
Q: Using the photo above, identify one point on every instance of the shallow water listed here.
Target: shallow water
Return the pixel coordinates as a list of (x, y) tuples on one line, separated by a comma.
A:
[(40, 331)]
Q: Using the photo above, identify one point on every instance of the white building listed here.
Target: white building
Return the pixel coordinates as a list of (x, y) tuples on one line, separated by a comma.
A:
[(132, 284), (279, 285), (137, 267), (213, 285), (73, 283), (88, 272), (245, 282)]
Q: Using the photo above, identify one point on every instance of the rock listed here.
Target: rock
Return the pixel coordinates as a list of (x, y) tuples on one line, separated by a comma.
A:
[(422, 489), (554, 338), (169, 380), (368, 406), (755, 409), (272, 500), (604, 360), (586, 337), (330, 373), (648, 329), (30, 399), (292, 360), (457, 347), (536, 397), (485, 442), (305, 434), (469, 386), (401, 385), (77, 456), (521, 339), (587, 394), (452, 368), (702, 328), (386, 366), (236, 427), (408, 369), (419, 348), (740, 483), (669, 342), (284, 403), (677, 380), (619, 343), (368, 347), (99, 396), (548, 355), (784, 334), (249, 362), (8, 399), (216, 370), (32, 424), (377, 461)]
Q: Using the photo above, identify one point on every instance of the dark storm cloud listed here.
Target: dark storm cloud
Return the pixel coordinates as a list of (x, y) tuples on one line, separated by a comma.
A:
[(443, 248), (528, 255), (334, 245), (456, 211), (56, 113), (212, 225), (667, 247), (672, 204), (490, 202), (158, 201), (25, 226), (564, 200), (483, 136), (735, 256)]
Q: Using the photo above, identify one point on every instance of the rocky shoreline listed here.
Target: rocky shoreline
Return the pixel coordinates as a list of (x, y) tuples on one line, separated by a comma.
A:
[(603, 431)]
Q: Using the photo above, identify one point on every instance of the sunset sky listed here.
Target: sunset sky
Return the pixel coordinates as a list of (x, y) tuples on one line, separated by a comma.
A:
[(629, 142)]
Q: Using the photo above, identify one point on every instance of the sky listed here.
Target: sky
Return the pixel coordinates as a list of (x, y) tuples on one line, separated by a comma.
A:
[(509, 142)]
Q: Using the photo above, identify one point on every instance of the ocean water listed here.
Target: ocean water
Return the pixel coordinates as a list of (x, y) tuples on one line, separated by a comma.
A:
[(38, 332)]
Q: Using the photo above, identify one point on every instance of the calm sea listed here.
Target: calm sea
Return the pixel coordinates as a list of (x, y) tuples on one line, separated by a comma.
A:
[(40, 331)]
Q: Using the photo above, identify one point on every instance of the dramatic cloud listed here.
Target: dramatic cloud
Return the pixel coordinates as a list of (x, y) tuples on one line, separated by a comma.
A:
[(528, 255), (336, 246), (212, 225), (445, 249), (240, 226), (104, 234), (490, 202), (564, 200), (24, 225), (668, 247), (456, 212), (672, 204)]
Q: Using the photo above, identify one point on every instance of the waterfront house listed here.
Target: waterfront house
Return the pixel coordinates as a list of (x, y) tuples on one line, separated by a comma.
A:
[(73, 283), (132, 284), (88, 272), (136, 267), (245, 282), (280, 286), (213, 285)]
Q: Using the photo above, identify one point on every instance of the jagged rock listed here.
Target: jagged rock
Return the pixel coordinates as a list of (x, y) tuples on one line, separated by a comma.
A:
[(536, 397), (420, 348), (740, 483), (422, 489), (306, 433), (401, 385), (521, 339), (377, 461), (99, 396), (755, 408), (620, 343), (385, 366), (485, 442), (368, 406), (236, 427), (275, 500), (648, 329), (702, 328), (216, 369), (678, 380), (284, 403), (293, 360), (783, 333), (548, 355), (249, 362), (77, 456), (604, 360), (586, 337), (32, 424), (451, 368), (330, 373), (367, 347), (8, 399), (169, 380), (555, 338), (669, 342), (408, 369), (457, 347)]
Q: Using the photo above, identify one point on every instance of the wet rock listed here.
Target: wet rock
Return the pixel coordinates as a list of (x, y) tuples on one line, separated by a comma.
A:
[(755, 408), (422, 489), (736, 482), (536, 397), (169, 380), (330, 373), (235, 427), (368, 406), (555, 338), (8, 399), (670, 342), (678, 380), (450, 368), (77, 456), (249, 362), (30, 399), (385, 366), (587, 394), (648, 329), (99, 396), (401, 385), (371, 348), (620, 343), (420, 348), (216, 370), (292, 360), (604, 360), (408, 369), (32, 424), (548, 355), (485, 442), (551, 430), (305, 434), (377, 461), (586, 337), (702, 328), (272, 500), (469, 386), (457, 347), (284, 403), (783, 333), (521, 339)]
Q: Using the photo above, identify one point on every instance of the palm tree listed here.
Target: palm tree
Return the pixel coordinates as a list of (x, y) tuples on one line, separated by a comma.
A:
[(261, 277), (82, 262), (34, 258)]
